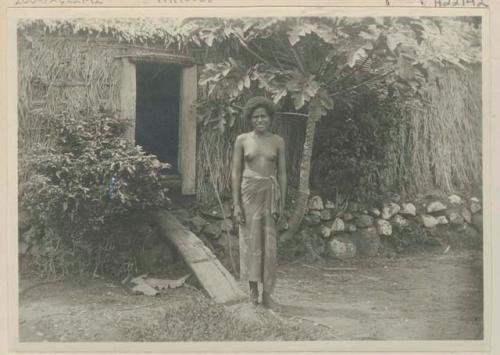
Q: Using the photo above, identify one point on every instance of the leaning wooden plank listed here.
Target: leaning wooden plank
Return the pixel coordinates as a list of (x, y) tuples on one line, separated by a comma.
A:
[(213, 276), (189, 245), (221, 288)]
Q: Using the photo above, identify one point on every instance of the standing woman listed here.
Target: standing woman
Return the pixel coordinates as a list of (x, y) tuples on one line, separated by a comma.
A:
[(259, 185)]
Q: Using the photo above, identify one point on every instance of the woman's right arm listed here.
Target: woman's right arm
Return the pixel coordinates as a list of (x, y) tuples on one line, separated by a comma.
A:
[(236, 179)]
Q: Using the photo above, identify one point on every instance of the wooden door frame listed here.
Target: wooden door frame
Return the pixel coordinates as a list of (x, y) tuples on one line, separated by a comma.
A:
[(187, 111)]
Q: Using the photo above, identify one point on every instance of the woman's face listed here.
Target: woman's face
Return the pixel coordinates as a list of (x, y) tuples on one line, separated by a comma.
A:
[(261, 120)]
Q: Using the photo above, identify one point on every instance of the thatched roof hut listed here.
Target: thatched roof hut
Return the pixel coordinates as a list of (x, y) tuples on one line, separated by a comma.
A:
[(144, 71)]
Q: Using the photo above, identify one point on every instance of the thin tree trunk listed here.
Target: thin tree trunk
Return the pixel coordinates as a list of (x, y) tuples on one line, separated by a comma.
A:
[(303, 191)]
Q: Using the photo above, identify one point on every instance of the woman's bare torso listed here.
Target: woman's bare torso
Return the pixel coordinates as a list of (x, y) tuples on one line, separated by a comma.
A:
[(260, 153)]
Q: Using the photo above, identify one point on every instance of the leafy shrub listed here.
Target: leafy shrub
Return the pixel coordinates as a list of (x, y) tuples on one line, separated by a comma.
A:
[(352, 146), (81, 189)]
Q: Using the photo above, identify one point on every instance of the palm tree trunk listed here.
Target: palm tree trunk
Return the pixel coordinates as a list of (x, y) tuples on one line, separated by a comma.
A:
[(303, 191)]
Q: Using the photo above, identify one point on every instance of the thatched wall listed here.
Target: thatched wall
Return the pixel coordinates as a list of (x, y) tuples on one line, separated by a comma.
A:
[(60, 76), (440, 147)]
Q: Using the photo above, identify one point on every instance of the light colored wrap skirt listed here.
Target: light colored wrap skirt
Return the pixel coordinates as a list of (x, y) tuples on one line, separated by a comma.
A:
[(258, 236)]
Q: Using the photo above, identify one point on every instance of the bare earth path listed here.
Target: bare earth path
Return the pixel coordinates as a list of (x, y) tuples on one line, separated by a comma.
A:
[(425, 297), (420, 297)]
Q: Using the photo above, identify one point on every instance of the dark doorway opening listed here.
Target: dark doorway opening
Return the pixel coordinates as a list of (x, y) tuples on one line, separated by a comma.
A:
[(157, 110)]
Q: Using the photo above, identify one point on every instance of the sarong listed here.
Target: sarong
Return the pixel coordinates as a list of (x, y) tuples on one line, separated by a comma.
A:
[(260, 197)]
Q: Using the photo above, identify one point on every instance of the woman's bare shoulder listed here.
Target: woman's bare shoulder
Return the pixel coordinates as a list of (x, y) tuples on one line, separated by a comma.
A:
[(241, 137), (278, 139)]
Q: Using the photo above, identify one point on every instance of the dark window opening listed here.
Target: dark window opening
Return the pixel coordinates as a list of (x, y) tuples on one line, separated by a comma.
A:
[(157, 110)]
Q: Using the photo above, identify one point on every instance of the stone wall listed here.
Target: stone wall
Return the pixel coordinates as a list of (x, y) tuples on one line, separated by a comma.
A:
[(451, 222), (394, 226)]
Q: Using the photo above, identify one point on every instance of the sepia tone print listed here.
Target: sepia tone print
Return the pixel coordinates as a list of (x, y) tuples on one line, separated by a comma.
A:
[(338, 159)]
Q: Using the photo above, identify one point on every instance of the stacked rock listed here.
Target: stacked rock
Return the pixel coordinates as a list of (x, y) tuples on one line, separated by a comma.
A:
[(357, 231)]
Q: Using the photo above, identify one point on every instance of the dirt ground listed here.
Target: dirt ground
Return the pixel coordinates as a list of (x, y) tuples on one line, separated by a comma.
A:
[(424, 296)]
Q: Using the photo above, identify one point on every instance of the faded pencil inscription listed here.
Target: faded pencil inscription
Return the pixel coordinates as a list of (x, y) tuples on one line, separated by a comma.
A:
[(176, 2), (60, 2)]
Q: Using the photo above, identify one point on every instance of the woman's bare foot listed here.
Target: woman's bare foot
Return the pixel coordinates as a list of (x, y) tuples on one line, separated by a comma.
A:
[(267, 301), (254, 293)]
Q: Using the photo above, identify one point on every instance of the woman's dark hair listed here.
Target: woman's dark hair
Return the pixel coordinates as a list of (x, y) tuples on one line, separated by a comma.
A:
[(258, 102)]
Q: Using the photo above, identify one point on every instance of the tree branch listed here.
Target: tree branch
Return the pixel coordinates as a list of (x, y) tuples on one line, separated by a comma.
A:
[(276, 59), (255, 54), (278, 113), (293, 114), (358, 67), (362, 83)]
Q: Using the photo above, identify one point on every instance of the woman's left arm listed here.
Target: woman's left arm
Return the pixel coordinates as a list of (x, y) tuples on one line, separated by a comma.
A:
[(282, 177)]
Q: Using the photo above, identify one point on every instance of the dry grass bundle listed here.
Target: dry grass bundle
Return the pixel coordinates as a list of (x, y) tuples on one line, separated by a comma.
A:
[(440, 146)]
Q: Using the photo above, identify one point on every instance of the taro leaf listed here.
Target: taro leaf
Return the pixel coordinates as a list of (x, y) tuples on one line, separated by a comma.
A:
[(265, 24), (140, 286), (298, 100), (302, 89), (293, 85), (311, 87), (326, 34), (246, 80), (233, 89), (303, 29), (211, 89), (324, 111), (372, 33), (315, 110), (163, 284), (233, 62), (295, 33), (237, 31), (392, 41), (331, 54), (208, 37), (280, 94), (205, 79), (367, 35), (419, 30), (355, 56), (266, 79), (423, 71), (405, 69), (325, 99), (379, 21), (439, 26)]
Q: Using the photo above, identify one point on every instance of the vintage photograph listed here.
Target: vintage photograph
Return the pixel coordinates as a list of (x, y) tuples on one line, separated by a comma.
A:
[(216, 179)]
